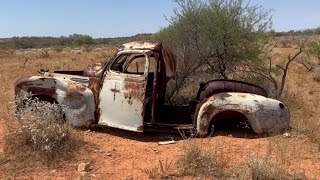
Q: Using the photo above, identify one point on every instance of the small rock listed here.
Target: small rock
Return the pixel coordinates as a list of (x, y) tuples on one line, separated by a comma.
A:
[(314, 149), (53, 171), (287, 135), (84, 167), (167, 142), (97, 151), (88, 132)]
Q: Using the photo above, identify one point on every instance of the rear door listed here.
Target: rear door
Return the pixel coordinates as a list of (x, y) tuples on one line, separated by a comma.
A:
[(122, 97)]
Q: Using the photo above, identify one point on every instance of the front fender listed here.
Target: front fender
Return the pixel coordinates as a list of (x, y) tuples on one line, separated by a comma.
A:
[(263, 114), (76, 99)]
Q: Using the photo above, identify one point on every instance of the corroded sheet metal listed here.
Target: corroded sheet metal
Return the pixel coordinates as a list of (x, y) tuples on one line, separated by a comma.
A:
[(140, 45), (264, 114), (167, 56), (93, 70), (122, 101), (218, 86), (170, 63), (76, 99)]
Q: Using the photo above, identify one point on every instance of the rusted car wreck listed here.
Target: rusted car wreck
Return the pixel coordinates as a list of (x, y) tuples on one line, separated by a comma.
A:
[(128, 93)]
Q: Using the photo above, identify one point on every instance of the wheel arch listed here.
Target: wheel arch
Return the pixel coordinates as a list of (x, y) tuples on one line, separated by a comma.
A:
[(213, 109), (76, 99), (45, 97)]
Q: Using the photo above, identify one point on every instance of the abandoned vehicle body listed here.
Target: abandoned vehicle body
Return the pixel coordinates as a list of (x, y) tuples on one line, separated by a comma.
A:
[(128, 92)]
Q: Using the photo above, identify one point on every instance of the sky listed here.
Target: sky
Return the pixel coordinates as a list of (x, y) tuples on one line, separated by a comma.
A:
[(117, 18)]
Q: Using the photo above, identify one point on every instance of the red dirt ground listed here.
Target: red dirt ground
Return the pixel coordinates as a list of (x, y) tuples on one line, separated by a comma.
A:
[(117, 154)]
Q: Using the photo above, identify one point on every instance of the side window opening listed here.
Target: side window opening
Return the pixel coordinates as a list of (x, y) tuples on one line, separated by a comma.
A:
[(134, 64), (119, 63), (137, 64)]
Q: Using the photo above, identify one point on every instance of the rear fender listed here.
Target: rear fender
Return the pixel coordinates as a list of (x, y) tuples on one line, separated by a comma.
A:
[(263, 114), (77, 100)]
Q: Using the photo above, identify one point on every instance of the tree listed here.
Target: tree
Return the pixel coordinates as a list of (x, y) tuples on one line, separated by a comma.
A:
[(314, 49), (214, 35), (78, 39), (268, 72)]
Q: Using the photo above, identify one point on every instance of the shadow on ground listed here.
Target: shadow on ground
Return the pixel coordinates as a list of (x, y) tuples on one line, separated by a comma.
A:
[(163, 136)]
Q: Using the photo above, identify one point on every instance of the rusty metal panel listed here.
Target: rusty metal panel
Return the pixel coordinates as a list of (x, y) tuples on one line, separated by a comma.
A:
[(93, 70), (169, 62), (140, 45), (167, 56), (219, 86), (264, 114), (76, 99), (122, 100)]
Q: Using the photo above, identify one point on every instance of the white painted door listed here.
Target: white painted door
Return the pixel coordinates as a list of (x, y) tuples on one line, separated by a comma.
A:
[(122, 97)]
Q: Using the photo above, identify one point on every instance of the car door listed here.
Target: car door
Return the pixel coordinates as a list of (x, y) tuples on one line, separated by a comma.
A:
[(122, 97)]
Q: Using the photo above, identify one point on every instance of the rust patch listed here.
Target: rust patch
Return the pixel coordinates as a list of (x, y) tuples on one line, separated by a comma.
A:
[(135, 90), (74, 86), (140, 128), (93, 70), (242, 95), (207, 112), (94, 86), (35, 87), (222, 96), (140, 45), (73, 95), (261, 107)]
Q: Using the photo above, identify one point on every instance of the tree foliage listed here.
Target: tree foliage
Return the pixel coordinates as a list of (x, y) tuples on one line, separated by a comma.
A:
[(214, 35), (78, 39), (314, 49)]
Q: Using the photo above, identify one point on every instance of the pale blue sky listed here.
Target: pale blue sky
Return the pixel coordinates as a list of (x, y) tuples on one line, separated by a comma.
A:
[(112, 18)]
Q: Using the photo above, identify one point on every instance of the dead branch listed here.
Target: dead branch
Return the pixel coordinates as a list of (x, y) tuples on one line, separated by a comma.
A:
[(249, 68), (25, 61), (285, 71)]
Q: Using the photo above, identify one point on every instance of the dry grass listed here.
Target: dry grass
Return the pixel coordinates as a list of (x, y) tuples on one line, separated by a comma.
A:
[(199, 163), (316, 74), (301, 122), (163, 170), (195, 162), (265, 169)]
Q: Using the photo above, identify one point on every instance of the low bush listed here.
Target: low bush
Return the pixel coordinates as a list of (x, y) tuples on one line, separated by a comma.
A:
[(199, 163), (316, 74), (39, 127), (162, 171), (265, 169)]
